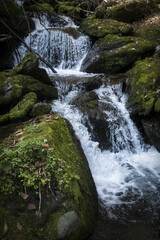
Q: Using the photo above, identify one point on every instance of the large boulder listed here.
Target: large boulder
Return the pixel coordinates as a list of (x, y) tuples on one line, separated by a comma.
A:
[(30, 66), (101, 27), (114, 54), (46, 188), (143, 85), (101, 9), (131, 11)]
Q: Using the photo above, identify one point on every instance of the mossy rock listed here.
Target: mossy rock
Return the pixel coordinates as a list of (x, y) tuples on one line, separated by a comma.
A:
[(30, 66), (40, 109), (14, 87), (21, 110), (130, 11), (102, 27), (150, 32), (114, 54), (44, 177), (75, 12), (143, 86)]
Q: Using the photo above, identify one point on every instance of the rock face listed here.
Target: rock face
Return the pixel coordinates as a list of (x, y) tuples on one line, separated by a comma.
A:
[(114, 54), (101, 27), (59, 200), (143, 87), (40, 109)]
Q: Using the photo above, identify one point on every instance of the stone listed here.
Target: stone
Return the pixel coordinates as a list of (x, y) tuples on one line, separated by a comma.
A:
[(67, 224), (143, 83), (40, 109), (29, 66), (115, 54), (102, 27)]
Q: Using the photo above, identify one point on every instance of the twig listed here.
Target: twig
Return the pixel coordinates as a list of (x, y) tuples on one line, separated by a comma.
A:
[(29, 49)]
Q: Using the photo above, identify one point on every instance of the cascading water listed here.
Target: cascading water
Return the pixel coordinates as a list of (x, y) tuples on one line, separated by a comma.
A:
[(127, 175)]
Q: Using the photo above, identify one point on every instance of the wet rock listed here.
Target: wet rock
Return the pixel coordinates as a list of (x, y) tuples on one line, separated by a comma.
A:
[(152, 129), (102, 27), (94, 110), (114, 54), (44, 156), (87, 83), (143, 86), (40, 109), (29, 66), (67, 224), (130, 11)]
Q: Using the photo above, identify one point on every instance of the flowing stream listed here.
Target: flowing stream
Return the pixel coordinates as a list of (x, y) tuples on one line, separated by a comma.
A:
[(127, 173)]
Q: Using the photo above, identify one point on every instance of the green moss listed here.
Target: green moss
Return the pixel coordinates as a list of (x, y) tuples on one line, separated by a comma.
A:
[(42, 155), (21, 110), (157, 106), (102, 27), (4, 119), (130, 11), (115, 54), (40, 109), (144, 79), (92, 104), (150, 32)]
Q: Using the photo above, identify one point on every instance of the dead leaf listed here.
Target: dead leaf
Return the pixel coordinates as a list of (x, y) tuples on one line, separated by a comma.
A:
[(60, 165), (38, 213), (5, 229), (19, 226), (46, 146), (19, 134), (146, 96), (24, 196), (37, 173), (55, 117), (31, 206), (28, 168)]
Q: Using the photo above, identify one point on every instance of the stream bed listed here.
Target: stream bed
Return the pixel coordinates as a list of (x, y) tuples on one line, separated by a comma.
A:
[(126, 171)]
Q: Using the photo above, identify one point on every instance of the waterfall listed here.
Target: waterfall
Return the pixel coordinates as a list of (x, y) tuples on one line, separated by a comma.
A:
[(61, 44), (127, 174)]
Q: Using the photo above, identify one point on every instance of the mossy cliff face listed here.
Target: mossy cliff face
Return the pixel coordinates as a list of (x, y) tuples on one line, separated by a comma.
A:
[(44, 178), (114, 54), (101, 27), (143, 84)]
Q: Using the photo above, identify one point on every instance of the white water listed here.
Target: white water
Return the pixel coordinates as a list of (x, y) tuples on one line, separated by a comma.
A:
[(131, 170)]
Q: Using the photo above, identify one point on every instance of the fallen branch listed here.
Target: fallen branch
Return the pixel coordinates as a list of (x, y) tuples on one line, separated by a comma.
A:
[(29, 48)]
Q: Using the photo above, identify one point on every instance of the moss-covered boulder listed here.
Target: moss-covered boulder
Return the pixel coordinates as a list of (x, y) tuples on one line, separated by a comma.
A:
[(130, 11), (40, 109), (144, 86), (12, 88), (30, 66), (114, 54), (102, 27), (46, 188), (150, 32), (21, 110), (67, 9)]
